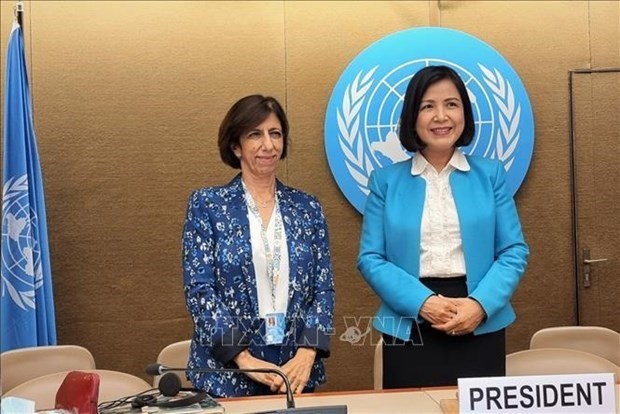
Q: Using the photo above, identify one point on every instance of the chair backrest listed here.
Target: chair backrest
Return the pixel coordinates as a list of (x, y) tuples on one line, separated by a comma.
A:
[(175, 355), (20, 365), (378, 365), (113, 385), (555, 361), (596, 340)]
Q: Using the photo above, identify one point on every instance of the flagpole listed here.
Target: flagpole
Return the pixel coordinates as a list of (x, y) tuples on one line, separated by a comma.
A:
[(19, 12)]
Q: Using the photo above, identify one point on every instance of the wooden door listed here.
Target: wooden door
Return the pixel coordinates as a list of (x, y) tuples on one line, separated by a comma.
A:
[(595, 129)]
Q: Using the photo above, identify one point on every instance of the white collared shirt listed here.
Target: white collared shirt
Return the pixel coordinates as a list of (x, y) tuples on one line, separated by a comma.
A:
[(263, 285), (441, 246)]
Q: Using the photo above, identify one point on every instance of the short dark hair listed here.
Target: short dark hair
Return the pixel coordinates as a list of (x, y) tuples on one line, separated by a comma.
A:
[(247, 113), (416, 89)]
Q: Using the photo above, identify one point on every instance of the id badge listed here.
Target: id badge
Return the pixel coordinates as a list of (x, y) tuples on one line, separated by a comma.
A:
[(274, 328)]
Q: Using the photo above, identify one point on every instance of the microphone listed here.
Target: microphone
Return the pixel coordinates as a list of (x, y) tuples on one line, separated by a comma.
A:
[(159, 369)]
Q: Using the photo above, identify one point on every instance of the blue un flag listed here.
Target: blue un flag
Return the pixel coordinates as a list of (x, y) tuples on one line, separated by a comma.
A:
[(26, 300)]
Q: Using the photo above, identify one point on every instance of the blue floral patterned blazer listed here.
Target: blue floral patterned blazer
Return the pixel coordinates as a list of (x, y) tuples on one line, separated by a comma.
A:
[(220, 286)]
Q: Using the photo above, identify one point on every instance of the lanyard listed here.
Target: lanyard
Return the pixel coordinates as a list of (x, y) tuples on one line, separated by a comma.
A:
[(273, 258)]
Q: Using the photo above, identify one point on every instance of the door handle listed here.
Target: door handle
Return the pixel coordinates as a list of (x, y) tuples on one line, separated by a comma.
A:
[(588, 261), (587, 271)]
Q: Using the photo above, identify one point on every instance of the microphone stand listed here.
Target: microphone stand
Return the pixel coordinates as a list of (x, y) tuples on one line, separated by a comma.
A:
[(158, 369)]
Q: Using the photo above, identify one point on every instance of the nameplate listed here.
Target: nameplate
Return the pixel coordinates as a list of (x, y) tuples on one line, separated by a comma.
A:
[(575, 393)]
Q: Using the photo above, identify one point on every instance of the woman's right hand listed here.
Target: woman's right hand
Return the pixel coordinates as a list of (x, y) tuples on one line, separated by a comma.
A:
[(438, 310), (245, 360)]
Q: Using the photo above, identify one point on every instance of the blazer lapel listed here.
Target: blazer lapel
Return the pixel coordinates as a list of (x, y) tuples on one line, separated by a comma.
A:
[(463, 194), (240, 227), (409, 209), (290, 212)]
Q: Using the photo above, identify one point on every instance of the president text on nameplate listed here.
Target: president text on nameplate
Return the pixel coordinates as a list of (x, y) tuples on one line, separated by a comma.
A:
[(575, 393)]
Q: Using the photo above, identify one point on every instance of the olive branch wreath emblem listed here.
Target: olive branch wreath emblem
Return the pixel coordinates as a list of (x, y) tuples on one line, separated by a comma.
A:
[(508, 133), (350, 136), (14, 188)]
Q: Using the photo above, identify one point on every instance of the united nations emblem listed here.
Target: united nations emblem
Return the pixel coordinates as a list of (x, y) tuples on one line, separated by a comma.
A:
[(362, 119), (22, 274)]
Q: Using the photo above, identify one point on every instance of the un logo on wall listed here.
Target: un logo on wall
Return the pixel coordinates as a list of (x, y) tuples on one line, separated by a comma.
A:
[(361, 123)]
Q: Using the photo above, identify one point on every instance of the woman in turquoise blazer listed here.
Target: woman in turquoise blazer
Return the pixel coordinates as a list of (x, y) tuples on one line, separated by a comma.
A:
[(441, 338)]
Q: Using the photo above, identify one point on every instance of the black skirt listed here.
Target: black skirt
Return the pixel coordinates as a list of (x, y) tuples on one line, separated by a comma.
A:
[(433, 358)]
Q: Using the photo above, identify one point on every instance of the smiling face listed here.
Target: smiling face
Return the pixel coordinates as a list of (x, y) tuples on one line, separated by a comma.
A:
[(441, 119), (260, 148)]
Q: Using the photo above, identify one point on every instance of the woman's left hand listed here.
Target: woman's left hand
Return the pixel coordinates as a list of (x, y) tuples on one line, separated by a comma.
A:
[(298, 370), (469, 315)]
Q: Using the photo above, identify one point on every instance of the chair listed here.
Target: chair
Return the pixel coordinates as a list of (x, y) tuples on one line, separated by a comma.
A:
[(113, 385), (175, 355), (21, 365), (553, 361), (596, 340), (378, 365)]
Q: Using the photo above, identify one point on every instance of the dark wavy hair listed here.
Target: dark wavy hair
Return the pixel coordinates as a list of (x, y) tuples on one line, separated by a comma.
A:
[(246, 114), (416, 89)]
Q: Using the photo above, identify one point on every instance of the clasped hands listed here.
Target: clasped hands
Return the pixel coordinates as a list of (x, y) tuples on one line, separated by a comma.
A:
[(454, 316), (297, 369)]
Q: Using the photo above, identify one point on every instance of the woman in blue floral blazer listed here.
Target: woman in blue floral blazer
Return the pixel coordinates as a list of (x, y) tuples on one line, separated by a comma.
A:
[(256, 250)]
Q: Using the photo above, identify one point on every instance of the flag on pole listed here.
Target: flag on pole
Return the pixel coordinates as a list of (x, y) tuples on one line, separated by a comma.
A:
[(26, 298)]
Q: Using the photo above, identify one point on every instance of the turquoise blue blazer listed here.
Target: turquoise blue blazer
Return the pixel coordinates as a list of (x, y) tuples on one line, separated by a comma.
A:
[(493, 244)]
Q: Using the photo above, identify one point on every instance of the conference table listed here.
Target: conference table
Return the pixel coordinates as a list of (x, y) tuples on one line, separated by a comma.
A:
[(389, 401), (405, 401)]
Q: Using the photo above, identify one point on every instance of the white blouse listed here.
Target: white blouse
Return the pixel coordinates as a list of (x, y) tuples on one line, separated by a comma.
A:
[(263, 284), (441, 247)]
